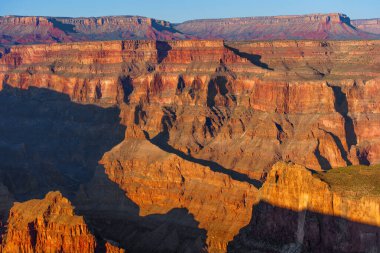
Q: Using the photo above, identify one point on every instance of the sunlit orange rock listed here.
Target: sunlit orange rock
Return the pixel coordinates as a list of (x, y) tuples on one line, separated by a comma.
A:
[(47, 225)]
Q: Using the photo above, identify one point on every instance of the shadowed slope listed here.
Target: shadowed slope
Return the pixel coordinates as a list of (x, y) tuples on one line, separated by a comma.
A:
[(298, 212), (49, 143)]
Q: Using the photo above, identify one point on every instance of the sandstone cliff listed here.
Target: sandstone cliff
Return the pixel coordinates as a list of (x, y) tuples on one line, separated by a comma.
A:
[(47, 225), (35, 29), (313, 26), (31, 30), (159, 182), (368, 25), (297, 212)]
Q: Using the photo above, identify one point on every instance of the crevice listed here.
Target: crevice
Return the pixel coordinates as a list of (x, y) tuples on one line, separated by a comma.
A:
[(363, 157), (180, 85), (217, 86), (323, 162), (281, 135), (127, 87), (253, 58), (163, 49), (140, 114), (341, 106), (339, 144)]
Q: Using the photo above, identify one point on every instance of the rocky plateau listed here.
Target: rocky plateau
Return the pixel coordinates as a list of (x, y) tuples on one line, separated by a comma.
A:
[(37, 29)]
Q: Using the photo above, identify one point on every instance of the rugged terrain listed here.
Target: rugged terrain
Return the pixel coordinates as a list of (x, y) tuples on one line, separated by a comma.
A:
[(168, 146), (315, 26), (34, 29)]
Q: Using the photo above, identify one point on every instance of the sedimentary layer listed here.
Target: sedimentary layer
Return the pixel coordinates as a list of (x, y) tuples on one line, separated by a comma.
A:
[(36, 29), (47, 225), (224, 102), (298, 212), (314, 26), (163, 145), (368, 25)]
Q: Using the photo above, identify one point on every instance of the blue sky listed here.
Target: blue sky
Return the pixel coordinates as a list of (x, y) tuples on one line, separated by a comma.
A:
[(181, 10)]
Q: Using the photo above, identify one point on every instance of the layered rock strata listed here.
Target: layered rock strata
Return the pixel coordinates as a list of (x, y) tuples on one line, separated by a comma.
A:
[(179, 129), (224, 102), (368, 25), (35, 29), (314, 26), (159, 182), (31, 30), (298, 212), (47, 225)]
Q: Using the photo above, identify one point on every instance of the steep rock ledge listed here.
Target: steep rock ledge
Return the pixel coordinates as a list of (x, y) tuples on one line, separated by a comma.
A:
[(159, 182), (298, 212), (47, 225)]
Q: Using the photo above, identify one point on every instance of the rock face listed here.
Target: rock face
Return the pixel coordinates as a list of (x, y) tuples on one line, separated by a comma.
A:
[(47, 225), (31, 30), (160, 145), (299, 212), (160, 182), (316, 26), (309, 102), (368, 25)]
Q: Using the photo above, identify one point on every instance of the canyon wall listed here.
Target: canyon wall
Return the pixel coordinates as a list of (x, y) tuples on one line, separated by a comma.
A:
[(16, 30), (47, 225), (31, 30), (368, 25), (163, 146), (299, 212), (314, 26), (283, 97)]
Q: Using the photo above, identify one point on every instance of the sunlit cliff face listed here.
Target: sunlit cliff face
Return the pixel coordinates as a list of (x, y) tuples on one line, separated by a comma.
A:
[(172, 146)]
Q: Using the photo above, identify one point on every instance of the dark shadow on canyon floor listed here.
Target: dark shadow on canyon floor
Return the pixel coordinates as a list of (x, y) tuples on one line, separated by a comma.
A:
[(49, 143), (161, 141), (279, 230)]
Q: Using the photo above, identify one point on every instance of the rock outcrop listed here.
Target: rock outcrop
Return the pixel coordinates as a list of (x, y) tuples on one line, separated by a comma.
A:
[(368, 25), (31, 30), (298, 212), (159, 182), (47, 225), (313, 26)]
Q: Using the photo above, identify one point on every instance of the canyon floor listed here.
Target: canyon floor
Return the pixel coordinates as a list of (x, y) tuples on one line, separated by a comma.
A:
[(190, 146)]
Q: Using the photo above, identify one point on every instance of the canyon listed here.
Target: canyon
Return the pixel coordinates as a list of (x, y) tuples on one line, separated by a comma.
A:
[(15, 30), (187, 145)]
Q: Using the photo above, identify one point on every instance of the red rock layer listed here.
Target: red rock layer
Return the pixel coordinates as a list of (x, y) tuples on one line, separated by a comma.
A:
[(223, 102), (368, 25), (314, 26), (199, 116), (31, 30)]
